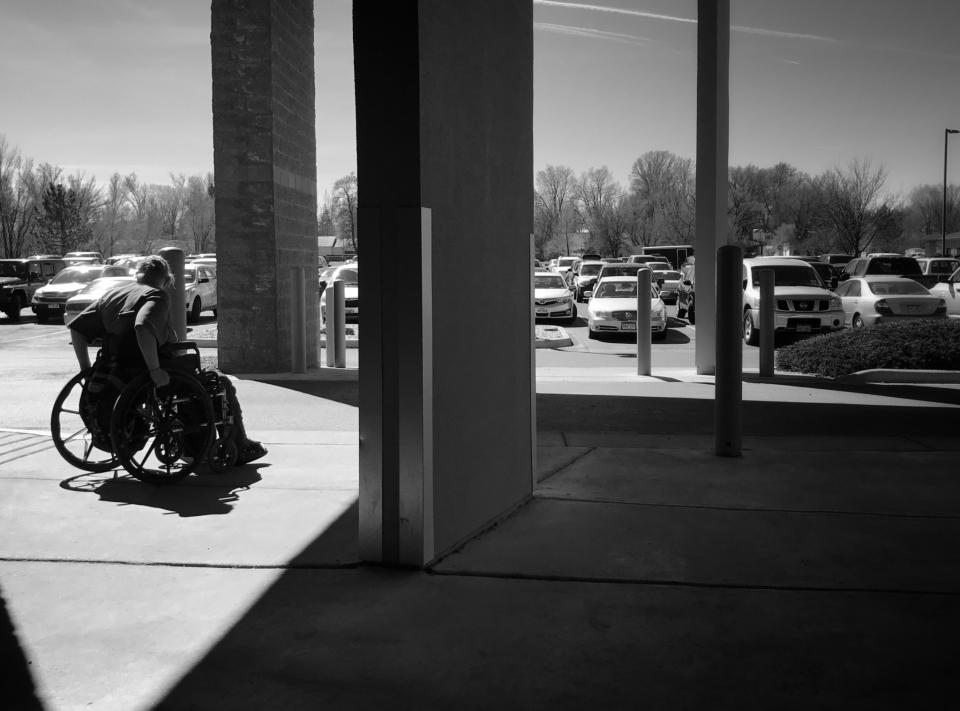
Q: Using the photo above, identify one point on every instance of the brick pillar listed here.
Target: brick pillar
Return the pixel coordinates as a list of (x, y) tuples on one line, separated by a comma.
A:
[(264, 155)]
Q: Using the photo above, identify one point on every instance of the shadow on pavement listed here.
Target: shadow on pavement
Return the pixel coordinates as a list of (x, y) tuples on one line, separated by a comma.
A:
[(659, 415), (370, 637), (202, 494), (947, 396), (344, 392), (19, 691)]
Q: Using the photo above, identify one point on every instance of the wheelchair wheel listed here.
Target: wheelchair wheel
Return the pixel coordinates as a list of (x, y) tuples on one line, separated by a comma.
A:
[(160, 435), (75, 426)]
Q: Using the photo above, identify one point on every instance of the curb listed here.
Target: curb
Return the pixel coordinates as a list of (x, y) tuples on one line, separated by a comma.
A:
[(885, 375), (551, 337), (346, 375)]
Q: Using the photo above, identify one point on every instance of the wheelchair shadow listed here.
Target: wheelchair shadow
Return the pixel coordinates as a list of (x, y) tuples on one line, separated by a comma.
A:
[(201, 494)]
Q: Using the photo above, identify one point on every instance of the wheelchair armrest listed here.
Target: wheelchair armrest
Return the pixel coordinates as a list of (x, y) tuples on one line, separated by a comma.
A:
[(183, 355)]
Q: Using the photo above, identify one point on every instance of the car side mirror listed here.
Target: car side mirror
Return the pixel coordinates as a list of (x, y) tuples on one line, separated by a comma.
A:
[(588, 294), (744, 284)]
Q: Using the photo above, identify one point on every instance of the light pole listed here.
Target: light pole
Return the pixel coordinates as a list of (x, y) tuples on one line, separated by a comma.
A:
[(943, 213)]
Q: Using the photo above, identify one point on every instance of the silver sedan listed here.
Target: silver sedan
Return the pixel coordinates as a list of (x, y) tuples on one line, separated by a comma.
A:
[(881, 298)]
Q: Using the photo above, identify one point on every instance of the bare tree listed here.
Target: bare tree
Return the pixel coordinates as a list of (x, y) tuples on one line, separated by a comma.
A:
[(854, 205), (18, 194), (112, 214), (663, 210), (555, 191), (199, 211), (345, 209), (598, 204)]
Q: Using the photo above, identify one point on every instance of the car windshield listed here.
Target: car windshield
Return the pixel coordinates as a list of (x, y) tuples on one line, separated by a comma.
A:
[(590, 269), (789, 275), (886, 288), (567, 261), (549, 281), (75, 276), (12, 269), (893, 265), (621, 290), (671, 276)]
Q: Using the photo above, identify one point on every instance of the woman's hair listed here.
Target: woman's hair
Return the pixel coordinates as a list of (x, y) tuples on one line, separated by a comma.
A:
[(154, 266)]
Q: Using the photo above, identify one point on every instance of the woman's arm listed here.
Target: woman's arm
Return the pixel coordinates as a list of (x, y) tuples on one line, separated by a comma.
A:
[(148, 348), (80, 345)]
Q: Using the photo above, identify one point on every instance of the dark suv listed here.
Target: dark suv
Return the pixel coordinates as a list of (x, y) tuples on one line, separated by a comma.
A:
[(20, 278), (892, 264)]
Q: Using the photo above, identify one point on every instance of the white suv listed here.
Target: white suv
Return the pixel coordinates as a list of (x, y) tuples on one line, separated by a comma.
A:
[(803, 304)]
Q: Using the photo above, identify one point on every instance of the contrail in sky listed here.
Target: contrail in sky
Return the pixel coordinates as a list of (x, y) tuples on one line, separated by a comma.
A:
[(588, 32), (675, 18)]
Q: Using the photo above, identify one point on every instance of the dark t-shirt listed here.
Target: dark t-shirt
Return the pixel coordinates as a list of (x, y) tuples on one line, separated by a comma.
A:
[(115, 316)]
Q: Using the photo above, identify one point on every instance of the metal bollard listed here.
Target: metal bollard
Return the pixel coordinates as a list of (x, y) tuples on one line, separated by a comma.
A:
[(298, 322), (339, 325), (177, 292), (766, 322), (330, 315), (643, 321), (728, 393)]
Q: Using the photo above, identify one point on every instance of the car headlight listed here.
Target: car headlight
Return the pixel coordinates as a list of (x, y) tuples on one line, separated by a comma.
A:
[(36, 297), (836, 303), (601, 314)]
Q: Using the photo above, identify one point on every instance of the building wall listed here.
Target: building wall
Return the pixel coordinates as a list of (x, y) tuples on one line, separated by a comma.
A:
[(265, 177)]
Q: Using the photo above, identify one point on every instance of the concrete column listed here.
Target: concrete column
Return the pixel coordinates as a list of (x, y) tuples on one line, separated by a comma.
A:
[(264, 156), (444, 166), (713, 59)]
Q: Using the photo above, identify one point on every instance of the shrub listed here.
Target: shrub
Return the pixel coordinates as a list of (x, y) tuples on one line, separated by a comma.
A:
[(922, 344)]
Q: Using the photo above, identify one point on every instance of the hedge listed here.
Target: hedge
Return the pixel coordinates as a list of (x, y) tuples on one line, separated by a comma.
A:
[(922, 344)]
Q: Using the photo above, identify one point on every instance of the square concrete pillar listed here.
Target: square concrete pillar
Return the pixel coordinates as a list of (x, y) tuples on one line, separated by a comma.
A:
[(713, 109), (445, 185), (265, 176)]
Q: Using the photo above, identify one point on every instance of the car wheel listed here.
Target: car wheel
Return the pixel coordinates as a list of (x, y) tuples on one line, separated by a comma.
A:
[(591, 333), (692, 314), (194, 314), (750, 334), (12, 310), (857, 322)]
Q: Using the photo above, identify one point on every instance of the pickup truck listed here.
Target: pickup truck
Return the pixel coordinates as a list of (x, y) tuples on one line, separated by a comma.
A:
[(894, 265), (942, 267)]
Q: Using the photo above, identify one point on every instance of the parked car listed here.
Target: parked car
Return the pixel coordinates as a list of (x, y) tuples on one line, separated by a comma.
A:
[(828, 273), (889, 265), (89, 294), (590, 257), (942, 267), (20, 278), (686, 292), (200, 290), (552, 298), (565, 265), (837, 260), (51, 298), (350, 274), (613, 308), (585, 277), (949, 291), (620, 269), (83, 258), (124, 260), (803, 305), (644, 258), (872, 299), (668, 281)]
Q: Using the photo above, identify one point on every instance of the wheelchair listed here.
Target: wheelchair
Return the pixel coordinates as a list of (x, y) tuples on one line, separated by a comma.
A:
[(109, 416)]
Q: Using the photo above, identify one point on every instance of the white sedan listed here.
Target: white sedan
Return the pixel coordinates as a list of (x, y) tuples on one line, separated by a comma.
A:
[(949, 291), (613, 308), (879, 298), (552, 297), (350, 274)]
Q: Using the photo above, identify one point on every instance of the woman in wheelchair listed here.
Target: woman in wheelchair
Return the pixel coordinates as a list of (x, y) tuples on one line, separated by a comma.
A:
[(146, 399)]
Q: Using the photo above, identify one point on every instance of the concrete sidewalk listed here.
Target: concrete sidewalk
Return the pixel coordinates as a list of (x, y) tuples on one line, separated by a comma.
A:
[(818, 570)]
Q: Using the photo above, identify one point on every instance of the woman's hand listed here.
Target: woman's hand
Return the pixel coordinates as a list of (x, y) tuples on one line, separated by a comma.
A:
[(159, 377)]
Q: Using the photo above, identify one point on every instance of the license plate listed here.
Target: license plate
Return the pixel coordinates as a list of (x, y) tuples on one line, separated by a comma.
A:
[(541, 312), (804, 328), (628, 326), (350, 311), (55, 307)]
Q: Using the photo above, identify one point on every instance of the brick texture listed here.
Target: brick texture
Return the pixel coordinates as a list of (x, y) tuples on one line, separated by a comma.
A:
[(265, 175)]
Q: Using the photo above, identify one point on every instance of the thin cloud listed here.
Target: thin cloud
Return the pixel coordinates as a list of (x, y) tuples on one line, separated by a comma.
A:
[(589, 32), (684, 20)]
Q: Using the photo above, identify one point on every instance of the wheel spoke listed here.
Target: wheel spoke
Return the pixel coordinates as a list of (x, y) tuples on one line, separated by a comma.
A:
[(78, 432), (71, 412), (149, 451), (87, 450)]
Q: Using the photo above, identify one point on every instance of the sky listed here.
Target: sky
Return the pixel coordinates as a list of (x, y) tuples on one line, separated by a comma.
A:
[(124, 85)]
